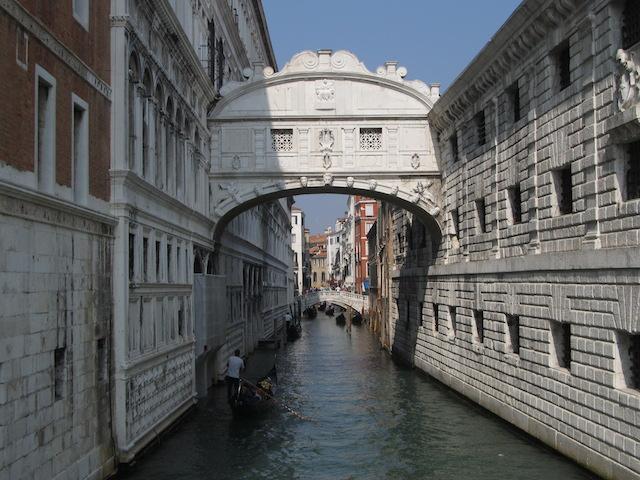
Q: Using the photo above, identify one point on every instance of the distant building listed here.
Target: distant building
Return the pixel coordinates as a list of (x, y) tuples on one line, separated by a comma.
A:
[(365, 211), (298, 245)]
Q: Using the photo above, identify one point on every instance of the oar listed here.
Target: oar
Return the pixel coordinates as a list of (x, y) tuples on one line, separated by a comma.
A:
[(282, 404)]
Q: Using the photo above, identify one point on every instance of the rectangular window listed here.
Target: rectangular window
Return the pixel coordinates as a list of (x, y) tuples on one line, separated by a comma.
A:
[(45, 130), (513, 326), (370, 139), (435, 317), (221, 64), (515, 203), (368, 210), (481, 215), (181, 317), (132, 255), (80, 152), (22, 49), (563, 65), (145, 258), (455, 221), (212, 52), (169, 264), (560, 344), (563, 187), (81, 12), (295, 220), (453, 326), (514, 100), (59, 355), (481, 131), (632, 171), (453, 141), (478, 320), (282, 139), (158, 247), (629, 354)]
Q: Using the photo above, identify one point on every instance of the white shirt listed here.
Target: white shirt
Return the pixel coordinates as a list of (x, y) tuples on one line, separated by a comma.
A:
[(235, 364)]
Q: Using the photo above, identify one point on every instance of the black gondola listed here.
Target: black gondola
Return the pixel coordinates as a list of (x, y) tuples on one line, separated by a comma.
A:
[(311, 312), (294, 329), (329, 311), (252, 399), (322, 306), (357, 318), (340, 319)]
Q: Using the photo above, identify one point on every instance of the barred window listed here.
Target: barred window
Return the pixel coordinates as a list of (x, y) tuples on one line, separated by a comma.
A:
[(478, 320), (481, 131), (561, 339), (435, 317), (513, 325), (632, 171), (563, 186), (482, 215), (631, 24), (370, 139), (282, 139), (515, 203)]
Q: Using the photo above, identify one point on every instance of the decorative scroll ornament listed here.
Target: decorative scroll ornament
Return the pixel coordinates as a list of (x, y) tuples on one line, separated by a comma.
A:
[(326, 146), (232, 189), (415, 161), (235, 163), (327, 178), (373, 184), (303, 181), (350, 181), (628, 80)]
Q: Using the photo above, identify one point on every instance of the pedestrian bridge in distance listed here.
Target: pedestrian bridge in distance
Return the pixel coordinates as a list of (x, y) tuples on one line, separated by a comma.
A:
[(344, 299)]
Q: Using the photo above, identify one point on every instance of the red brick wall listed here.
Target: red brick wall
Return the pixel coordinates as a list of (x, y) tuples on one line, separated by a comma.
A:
[(17, 95)]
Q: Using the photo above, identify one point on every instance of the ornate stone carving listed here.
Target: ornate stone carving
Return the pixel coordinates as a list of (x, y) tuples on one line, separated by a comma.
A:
[(325, 95), (326, 146), (373, 184), (628, 79), (350, 181), (303, 181), (415, 161), (395, 190), (232, 189), (235, 163), (327, 178), (421, 191)]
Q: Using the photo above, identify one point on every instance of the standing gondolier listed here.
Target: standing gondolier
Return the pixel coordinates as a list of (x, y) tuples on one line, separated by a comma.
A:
[(234, 366)]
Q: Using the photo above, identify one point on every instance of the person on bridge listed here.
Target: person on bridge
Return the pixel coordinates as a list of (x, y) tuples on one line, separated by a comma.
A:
[(234, 366)]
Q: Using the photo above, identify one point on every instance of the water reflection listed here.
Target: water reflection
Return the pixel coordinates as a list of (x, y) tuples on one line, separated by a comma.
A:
[(372, 419)]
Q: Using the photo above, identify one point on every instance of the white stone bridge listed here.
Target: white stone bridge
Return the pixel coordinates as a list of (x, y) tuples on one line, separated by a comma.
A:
[(344, 299)]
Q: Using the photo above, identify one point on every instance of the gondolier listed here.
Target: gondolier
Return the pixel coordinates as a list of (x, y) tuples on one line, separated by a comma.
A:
[(234, 366)]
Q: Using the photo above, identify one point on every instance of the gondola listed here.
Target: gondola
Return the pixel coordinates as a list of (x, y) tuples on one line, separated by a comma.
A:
[(252, 399), (311, 312), (340, 319), (357, 318), (322, 306), (294, 329), (329, 311)]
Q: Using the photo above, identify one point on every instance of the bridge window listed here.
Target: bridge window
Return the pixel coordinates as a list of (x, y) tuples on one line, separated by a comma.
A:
[(632, 171), (631, 24), (481, 130), (282, 139), (370, 139), (560, 344), (478, 320), (513, 326), (563, 188), (629, 353), (515, 203)]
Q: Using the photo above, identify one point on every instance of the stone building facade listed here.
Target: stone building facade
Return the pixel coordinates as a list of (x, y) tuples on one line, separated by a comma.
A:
[(365, 212), (531, 305), (55, 241), (299, 247)]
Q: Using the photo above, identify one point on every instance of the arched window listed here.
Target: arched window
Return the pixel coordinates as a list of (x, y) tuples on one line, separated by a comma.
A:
[(146, 107), (630, 24), (159, 150), (169, 149), (179, 154), (197, 264), (131, 108)]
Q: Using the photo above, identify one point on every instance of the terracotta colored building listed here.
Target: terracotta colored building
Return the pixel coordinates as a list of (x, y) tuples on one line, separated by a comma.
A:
[(365, 212)]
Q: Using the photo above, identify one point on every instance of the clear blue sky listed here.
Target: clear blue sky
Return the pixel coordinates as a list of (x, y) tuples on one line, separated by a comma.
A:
[(434, 40)]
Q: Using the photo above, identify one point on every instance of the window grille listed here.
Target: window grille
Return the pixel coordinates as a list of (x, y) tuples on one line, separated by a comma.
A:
[(515, 201), (564, 190), (633, 171), (282, 139), (481, 210), (563, 60), (481, 130), (631, 24), (370, 139)]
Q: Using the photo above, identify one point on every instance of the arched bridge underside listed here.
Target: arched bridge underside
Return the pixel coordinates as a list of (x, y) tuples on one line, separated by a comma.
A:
[(324, 124), (343, 299)]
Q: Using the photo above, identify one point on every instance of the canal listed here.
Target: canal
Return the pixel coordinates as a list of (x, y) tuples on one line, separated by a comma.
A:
[(371, 419)]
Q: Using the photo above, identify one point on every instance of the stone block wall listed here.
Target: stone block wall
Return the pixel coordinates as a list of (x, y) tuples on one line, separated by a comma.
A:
[(55, 292)]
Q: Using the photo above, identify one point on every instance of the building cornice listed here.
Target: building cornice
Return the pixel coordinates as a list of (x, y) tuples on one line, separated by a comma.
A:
[(527, 26)]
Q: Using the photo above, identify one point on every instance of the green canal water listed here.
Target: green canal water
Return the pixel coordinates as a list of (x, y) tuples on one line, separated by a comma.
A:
[(371, 419)]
